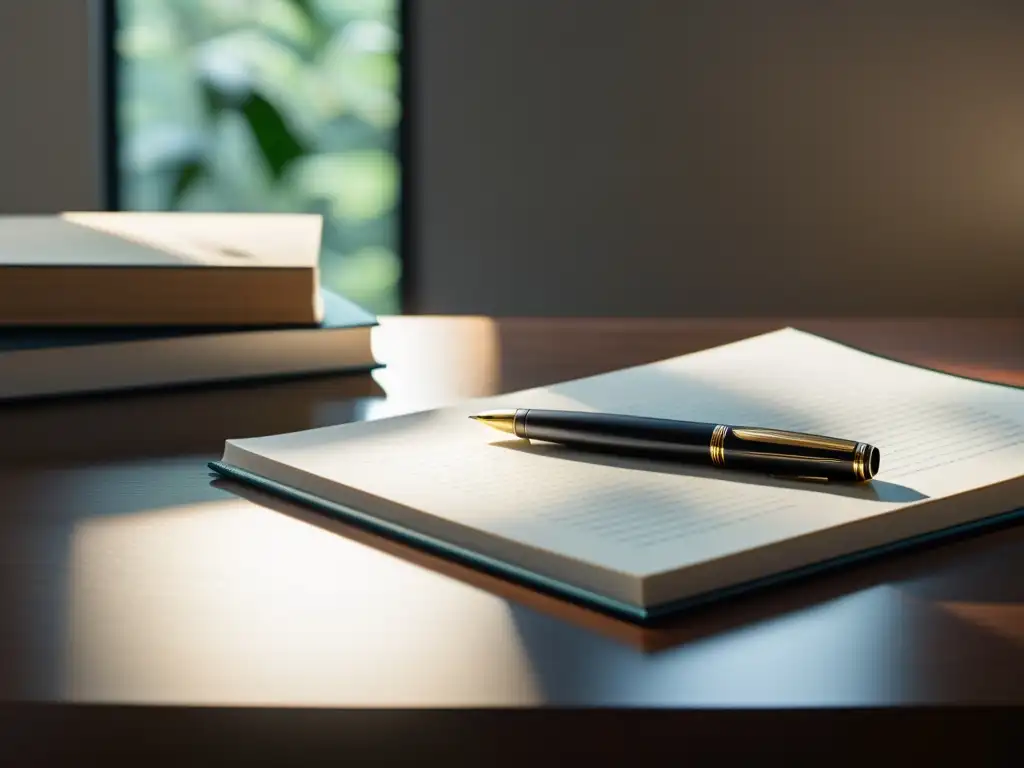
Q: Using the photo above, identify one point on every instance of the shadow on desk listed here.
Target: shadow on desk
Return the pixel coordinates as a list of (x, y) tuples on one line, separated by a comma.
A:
[(694, 624), (191, 420)]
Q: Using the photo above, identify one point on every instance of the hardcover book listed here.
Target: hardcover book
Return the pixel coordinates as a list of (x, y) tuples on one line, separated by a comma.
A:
[(45, 362), (160, 269)]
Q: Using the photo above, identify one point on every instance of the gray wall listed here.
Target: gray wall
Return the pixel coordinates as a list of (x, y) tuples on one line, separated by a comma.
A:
[(719, 157), (50, 156)]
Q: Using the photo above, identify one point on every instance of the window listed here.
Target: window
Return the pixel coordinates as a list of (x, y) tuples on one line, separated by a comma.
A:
[(268, 105)]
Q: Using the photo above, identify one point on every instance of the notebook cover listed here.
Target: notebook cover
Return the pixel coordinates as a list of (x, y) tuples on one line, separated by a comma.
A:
[(575, 594)]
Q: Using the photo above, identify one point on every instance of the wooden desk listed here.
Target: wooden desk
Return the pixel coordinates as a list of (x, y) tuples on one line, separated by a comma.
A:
[(146, 607)]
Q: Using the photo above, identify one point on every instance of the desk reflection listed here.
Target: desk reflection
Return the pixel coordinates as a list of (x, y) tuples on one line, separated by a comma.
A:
[(221, 601), (226, 600), (127, 576)]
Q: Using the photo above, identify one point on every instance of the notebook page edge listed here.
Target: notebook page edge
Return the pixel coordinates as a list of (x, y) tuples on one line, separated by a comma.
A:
[(825, 545)]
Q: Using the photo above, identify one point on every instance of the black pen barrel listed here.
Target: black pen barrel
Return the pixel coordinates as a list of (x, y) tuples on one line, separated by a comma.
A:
[(629, 434), (756, 449)]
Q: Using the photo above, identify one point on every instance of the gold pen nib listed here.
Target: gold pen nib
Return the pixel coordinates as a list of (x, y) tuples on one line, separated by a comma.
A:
[(504, 420)]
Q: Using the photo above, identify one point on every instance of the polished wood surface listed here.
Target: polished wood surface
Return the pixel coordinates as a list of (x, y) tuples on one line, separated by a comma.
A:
[(129, 575)]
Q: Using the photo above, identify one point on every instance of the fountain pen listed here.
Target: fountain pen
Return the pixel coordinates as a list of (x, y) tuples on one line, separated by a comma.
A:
[(757, 449)]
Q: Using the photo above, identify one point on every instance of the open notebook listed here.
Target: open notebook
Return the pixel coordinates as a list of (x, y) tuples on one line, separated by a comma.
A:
[(642, 538)]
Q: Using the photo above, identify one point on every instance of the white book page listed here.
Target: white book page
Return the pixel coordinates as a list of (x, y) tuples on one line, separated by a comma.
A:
[(938, 436), (137, 239)]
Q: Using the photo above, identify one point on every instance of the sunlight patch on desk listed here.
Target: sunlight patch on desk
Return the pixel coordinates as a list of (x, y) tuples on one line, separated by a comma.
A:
[(435, 361), (1001, 619), (846, 652), (215, 602)]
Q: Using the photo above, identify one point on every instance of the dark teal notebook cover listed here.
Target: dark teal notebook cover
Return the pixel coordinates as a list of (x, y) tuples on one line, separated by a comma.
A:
[(576, 594)]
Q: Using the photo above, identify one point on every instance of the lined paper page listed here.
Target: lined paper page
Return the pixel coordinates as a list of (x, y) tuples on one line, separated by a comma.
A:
[(921, 420), (938, 435)]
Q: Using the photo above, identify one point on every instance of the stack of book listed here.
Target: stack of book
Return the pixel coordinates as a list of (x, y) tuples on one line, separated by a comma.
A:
[(94, 302)]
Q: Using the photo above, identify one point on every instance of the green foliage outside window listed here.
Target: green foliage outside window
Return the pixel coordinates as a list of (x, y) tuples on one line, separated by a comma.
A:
[(269, 105)]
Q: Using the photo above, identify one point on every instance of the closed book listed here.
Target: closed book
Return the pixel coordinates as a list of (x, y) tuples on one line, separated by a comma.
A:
[(643, 538), (42, 362), (160, 269)]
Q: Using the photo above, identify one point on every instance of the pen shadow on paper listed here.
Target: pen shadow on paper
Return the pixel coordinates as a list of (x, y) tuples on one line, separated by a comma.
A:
[(876, 490), (658, 389)]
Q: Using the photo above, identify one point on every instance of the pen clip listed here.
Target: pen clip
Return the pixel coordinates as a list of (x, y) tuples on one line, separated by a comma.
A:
[(805, 478), (795, 439)]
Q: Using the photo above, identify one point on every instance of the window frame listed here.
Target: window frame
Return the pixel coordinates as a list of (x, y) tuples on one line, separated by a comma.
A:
[(108, 69)]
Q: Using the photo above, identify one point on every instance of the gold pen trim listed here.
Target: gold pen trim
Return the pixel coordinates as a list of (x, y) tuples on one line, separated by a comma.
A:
[(519, 423), (859, 455), (717, 445)]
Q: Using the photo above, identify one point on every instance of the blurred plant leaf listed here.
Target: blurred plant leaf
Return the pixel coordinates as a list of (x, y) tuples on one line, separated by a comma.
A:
[(360, 185), (307, 9), (214, 99), (276, 140), (186, 175), (320, 29)]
